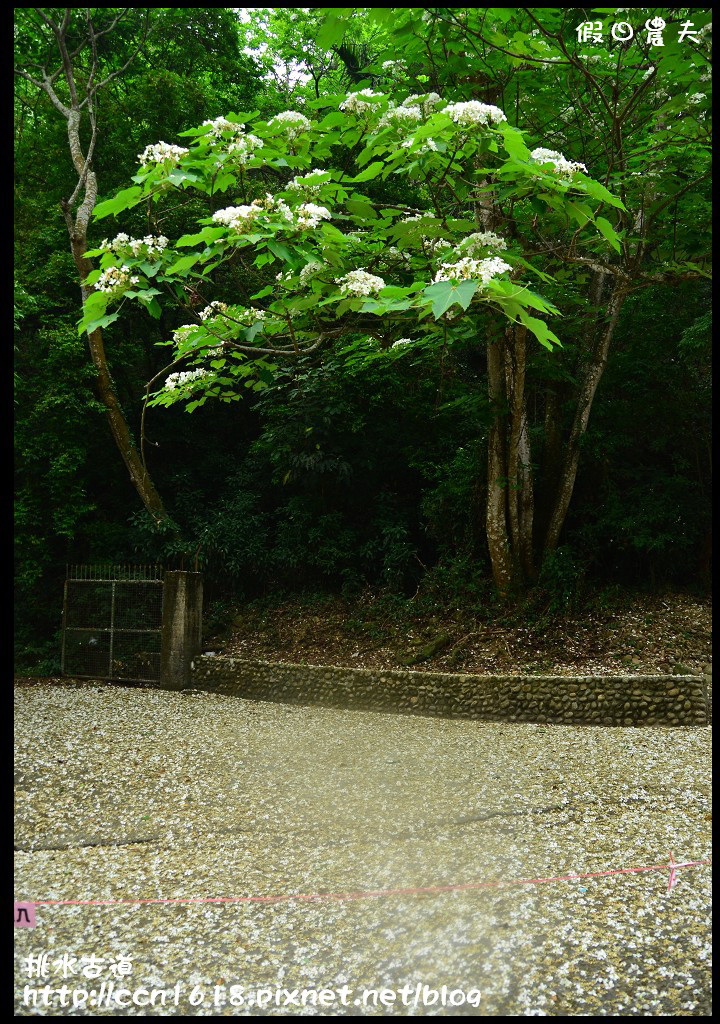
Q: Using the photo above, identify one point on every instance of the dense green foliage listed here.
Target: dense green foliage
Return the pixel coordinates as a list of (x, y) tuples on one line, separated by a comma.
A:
[(361, 463)]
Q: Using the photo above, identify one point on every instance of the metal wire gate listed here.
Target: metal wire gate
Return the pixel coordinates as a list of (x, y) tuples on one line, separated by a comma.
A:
[(112, 622)]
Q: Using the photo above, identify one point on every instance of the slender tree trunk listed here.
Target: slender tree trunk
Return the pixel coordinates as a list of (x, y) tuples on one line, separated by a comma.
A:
[(77, 221), (116, 419), (496, 509), (585, 400), (519, 470)]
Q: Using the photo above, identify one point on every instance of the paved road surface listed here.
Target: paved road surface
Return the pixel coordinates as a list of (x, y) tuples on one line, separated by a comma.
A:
[(128, 795)]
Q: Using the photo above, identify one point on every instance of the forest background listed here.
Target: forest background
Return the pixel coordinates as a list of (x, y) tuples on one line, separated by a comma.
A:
[(372, 467)]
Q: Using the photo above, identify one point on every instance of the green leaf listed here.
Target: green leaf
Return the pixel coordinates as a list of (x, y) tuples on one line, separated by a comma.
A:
[(540, 329), (332, 29), (465, 291), (514, 143), (281, 251), (206, 235), (124, 200), (102, 321), (605, 228), (444, 294), (183, 265), (598, 191), (372, 171)]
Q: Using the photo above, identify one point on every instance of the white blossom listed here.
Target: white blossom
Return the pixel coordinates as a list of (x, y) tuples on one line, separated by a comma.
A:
[(176, 380), (239, 218), (474, 113), (394, 253), (149, 246), (468, 269), (292, 121), (301, 184), (243, 148), (161, 152), (400, 115), (213, 310), (427, 146), (482, 240), (219, 125), (310, 270), (391, 65), (411, 218), (426, 102), (115, 279), (401, 341), (359, 282), (355, 102), (253, 314), (309, 216), (182, 334), (562, 166)]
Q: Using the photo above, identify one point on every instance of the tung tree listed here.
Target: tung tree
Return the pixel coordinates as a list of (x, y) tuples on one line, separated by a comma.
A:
[(297, 253)]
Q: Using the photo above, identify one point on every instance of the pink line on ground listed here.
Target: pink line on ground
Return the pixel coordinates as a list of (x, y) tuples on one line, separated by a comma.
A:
[(672, 867)]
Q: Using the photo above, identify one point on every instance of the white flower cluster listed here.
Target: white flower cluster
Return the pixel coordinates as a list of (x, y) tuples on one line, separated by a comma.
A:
[(239, 218), (253, 314), (242, 218), (183, 333), (176, 380), (220, 125), (428, 146), (243, 148), (310, 270), (355, 103), (293, 122), (426, 102), (401, 341), (482, 240), (161, 152), (468, 269), (359, 282), (397, 254), (391, 65), (215, 353), (400, 115), (213, 310), (697, 97), (300, 183), (309, 216), (474, 113), (562, 166), (115, 279), (149, 246)]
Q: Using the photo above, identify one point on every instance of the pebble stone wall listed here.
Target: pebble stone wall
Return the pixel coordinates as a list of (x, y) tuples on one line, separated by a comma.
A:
[(576, 700)]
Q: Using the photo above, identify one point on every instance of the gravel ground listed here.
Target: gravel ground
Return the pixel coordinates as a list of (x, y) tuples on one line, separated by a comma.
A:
[(132, 794)]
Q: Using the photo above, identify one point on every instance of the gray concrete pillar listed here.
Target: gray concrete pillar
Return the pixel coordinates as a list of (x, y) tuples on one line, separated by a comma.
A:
[(181, 628)]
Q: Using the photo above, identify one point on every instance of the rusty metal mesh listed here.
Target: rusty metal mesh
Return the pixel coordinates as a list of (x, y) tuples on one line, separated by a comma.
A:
[(112, 619)]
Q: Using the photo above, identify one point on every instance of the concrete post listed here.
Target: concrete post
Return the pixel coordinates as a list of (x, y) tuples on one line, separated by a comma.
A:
[(181, 628)]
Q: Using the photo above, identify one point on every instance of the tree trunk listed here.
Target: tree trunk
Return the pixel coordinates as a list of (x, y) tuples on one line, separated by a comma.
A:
[(115, 416), (77, 223), (585, 400), (495, 515), (77, 230), (519, 471)]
